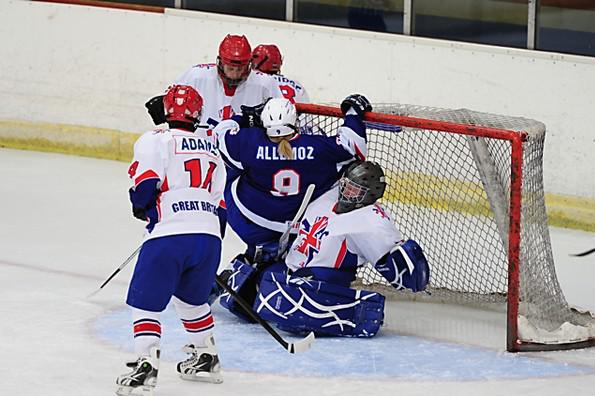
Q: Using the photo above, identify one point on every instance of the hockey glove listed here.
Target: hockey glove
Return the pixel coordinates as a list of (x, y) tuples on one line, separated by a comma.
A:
[(156, 110), (144, 199), (357, 102), (139, 213), (405, 267), (251, 115)]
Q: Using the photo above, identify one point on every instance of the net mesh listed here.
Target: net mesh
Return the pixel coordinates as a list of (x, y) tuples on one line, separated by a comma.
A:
[(437, 196)]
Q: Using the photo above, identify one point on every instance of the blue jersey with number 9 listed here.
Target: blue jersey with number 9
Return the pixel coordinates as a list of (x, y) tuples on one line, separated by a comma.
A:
[(270, 187)]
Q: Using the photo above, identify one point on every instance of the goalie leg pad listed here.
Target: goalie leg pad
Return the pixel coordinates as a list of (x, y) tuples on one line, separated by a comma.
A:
[(405, 267), (299, 305), (243, 281)]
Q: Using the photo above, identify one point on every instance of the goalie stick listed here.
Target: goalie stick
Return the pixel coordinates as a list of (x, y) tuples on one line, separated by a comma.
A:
[(124, 264), (283, 241), (292, 347)]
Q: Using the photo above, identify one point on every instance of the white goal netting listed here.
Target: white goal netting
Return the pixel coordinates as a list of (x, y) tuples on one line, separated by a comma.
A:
[(450, 191)]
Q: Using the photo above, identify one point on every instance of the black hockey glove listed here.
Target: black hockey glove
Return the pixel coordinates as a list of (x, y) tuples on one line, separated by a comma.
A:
[(357, 102), (139, 213), (251, 115), (156, 110)]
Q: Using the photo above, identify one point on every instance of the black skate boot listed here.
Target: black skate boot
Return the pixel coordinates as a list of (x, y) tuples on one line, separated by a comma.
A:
[(202, 364), (142, 379)]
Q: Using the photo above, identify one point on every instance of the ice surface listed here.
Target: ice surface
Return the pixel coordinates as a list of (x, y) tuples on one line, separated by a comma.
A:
[(66, 225)]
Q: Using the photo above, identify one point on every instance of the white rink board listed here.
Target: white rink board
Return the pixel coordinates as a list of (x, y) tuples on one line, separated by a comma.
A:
[(97, 66)]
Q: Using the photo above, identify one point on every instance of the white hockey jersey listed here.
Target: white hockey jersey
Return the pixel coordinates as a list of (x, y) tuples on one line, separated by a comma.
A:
[(328, 239), (292, 89), (191, 177), (221, 104)]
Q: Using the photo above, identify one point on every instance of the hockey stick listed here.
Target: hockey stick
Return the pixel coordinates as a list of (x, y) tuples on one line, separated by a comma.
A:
[(283, 241), (292, 347), (124, 264), (583, 254)]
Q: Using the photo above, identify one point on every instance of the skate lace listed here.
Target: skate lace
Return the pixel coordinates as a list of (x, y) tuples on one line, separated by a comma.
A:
[(198, 357)]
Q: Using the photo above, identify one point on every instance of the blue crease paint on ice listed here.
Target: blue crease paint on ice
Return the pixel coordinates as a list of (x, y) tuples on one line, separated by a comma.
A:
[(247, 347)]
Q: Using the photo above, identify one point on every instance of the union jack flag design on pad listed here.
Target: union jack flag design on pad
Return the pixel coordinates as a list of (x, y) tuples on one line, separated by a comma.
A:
[(312, 237)]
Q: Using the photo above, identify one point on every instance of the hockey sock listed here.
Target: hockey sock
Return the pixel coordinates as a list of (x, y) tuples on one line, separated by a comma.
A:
[(197, 320), (147, 330)]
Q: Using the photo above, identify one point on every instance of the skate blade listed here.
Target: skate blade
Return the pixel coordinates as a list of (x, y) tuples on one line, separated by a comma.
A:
[(212, 378), (135, 391)]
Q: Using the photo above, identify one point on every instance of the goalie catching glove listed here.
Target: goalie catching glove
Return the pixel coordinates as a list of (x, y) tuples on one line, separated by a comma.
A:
[(357, 102)]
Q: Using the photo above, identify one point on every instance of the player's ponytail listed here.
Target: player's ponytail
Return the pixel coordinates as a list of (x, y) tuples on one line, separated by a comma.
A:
[(284, 147)]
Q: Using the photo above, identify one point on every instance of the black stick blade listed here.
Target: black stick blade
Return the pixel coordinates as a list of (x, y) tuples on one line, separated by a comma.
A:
[(583, 254)]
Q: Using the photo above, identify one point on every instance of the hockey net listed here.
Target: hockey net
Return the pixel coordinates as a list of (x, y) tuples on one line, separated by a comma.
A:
[(468, 186)]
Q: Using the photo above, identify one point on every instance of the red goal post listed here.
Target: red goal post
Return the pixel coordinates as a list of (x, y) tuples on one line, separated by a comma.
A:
[(469, 186)]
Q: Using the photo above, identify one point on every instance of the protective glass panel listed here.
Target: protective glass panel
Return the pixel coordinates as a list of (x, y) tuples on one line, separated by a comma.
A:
[(567, 26), (372, 15), (269, 9), (477, 21)]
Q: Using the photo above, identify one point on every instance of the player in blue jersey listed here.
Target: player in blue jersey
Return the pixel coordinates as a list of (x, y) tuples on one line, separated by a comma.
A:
[(276, 163)]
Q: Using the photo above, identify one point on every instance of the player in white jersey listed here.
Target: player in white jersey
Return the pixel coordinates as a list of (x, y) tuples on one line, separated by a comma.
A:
[(225, 85), (178, 180), (343, 229), (267, 58)]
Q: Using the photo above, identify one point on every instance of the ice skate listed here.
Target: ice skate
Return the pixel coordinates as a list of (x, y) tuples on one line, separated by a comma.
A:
[(142, 379), (202, 364)]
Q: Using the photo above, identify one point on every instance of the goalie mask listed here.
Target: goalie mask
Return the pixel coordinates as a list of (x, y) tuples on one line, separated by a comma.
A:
[(362, 184), (279, 117)]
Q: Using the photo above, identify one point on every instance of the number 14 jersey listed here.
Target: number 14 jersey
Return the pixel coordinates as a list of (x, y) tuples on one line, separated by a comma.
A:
[(191, 178)]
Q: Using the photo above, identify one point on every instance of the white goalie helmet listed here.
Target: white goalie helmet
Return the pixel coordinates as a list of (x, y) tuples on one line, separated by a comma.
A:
[(279, 117)]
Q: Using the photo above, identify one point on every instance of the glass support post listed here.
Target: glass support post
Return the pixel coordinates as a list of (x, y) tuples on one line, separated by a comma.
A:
[(289, 10), (408, 17), (532, 24)]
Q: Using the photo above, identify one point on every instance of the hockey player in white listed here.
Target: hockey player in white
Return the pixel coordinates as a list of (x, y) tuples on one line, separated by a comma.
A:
[(178, 180), (341, 230), (225, 85), (267, 58)]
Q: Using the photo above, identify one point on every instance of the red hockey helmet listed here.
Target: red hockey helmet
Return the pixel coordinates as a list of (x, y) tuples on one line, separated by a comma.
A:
[(267, 59), (182, 103), (233, 62)]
